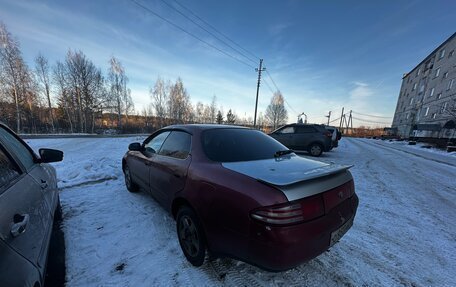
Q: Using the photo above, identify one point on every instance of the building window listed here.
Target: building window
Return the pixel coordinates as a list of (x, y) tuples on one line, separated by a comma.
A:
[(442, 54), (414, 86), (421, 88), (407, 116), (439, 96), (411, 101), (434, 115), (432, 92), (450, 54), (427, 112), (445, 75), (418, 72), (450, 84), (437, 72)]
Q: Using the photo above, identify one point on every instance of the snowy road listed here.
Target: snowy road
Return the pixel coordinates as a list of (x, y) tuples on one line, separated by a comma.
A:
[(404, 232)]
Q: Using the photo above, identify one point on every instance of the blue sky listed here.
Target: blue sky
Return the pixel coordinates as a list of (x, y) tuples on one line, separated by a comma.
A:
[(323, 55)]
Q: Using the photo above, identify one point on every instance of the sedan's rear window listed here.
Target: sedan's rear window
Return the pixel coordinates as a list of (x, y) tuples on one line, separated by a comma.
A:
[(232, 144)]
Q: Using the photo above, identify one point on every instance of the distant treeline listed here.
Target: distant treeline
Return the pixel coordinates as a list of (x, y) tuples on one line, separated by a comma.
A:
[(75, 96)]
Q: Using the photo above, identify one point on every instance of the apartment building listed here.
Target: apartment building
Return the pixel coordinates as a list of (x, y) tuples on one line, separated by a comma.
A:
[(427, 100)]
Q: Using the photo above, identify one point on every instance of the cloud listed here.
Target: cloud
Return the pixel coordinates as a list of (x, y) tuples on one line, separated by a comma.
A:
[(277, 29), (360, 94)]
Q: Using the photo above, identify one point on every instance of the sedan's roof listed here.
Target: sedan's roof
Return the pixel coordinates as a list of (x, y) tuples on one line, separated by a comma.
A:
[(200, 127)]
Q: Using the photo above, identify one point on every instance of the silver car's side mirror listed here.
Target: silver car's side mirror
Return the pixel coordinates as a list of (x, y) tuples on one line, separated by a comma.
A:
[(50, 155)]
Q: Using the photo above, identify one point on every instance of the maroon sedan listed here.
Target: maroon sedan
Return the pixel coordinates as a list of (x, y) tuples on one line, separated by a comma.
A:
[(238, 192)]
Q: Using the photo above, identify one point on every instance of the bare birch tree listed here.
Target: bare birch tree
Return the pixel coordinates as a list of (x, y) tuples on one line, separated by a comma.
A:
[(159, 95), (276, 114), (42, 75), (213, 110), (120, 96), (12, 69), (179, 106), (63, 96)]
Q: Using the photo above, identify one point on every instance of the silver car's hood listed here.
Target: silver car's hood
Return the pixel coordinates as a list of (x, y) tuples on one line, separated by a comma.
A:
[(285, 170)]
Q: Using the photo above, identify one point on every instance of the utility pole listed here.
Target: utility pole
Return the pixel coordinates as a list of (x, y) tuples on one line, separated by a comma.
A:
[(341, 118), (329, 117), (259, 70), (350, 122)]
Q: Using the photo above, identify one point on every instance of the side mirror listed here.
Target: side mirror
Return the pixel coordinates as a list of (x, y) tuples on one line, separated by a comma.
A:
[(50, 155), (135, 147)]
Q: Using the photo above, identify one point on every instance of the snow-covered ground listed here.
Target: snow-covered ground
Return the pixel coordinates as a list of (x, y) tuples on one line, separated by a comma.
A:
[(404, 232)]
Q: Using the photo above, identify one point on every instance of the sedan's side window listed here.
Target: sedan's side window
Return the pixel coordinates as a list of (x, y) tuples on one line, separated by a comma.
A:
[(8, 170), (305, 130), (154, 145), (22, 153), (177, 145), (287, 130)]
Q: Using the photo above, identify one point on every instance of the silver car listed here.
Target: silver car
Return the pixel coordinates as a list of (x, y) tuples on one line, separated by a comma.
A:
[(29, 203)]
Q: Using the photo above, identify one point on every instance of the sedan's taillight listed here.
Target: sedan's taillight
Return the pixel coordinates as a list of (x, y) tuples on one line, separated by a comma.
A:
[(292, 212)]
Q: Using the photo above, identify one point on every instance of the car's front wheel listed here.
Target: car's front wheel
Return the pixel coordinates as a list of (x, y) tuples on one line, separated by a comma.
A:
[(315, 149), (131, 186), (191, 236)]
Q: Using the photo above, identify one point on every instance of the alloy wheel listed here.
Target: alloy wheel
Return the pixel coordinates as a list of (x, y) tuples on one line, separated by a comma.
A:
[(315, 150), (127, 177), (188, 234)]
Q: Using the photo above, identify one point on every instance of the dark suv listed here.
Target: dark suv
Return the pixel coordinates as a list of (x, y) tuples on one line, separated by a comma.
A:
[(304, 137), (29, 203)]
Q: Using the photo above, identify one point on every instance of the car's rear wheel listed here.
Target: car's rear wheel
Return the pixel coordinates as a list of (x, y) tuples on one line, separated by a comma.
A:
[(131, 186), (191, 236), (315, 149)]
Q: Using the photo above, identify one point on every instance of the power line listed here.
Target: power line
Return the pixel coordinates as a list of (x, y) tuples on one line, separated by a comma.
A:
[(335, 120), (293, 110), (269, 75), (209, 32), (269, 87), (216, 30), (189, 33), (272, 91), (373, 122), (277, 89), (372, 115)]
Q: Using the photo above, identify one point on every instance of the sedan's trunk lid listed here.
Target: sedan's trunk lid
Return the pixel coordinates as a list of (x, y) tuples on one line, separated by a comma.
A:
[(295, 176)]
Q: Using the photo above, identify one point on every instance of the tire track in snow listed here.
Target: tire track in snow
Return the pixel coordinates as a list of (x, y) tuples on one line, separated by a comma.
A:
[(89, 182)]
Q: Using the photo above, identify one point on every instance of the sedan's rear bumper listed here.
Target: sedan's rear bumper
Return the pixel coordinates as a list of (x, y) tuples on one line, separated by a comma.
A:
[(281, 248)]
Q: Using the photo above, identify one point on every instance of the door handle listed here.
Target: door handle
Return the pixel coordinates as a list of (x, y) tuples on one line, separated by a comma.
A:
[(44, 184), (19, 224)]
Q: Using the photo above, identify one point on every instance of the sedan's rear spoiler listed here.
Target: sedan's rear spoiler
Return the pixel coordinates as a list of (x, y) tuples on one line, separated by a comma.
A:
[(309, 175), (314, 182), (296, 177)]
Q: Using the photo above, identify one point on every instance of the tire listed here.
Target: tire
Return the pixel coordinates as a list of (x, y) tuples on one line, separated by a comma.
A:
[(315, 149), (131, 186), (191, 236), (58, 216)]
